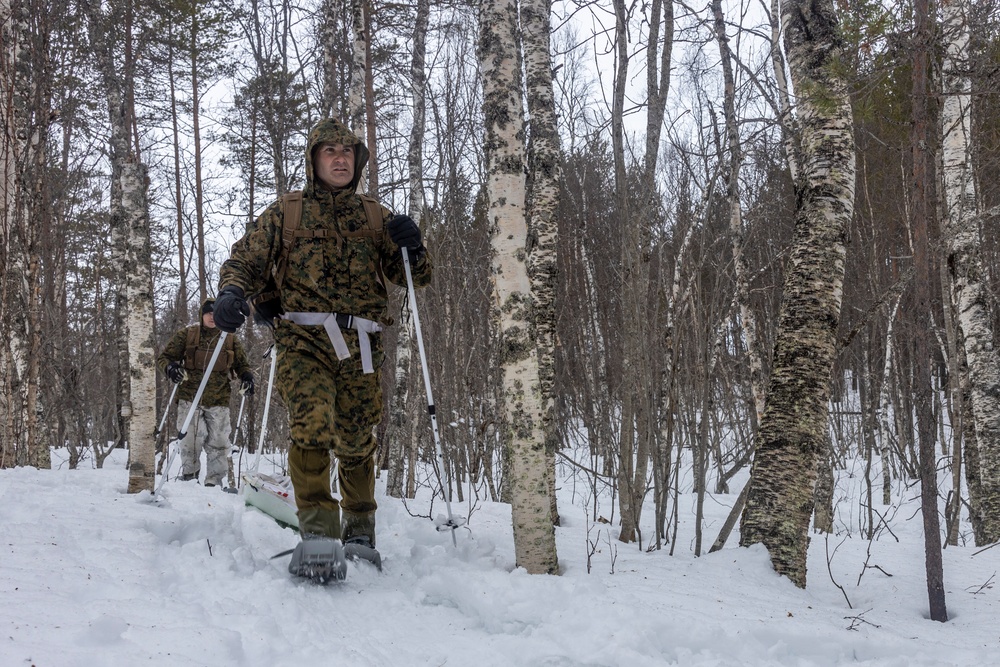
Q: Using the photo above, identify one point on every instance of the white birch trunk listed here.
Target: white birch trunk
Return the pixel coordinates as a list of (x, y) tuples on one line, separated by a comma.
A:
[(793, 431), (327, 37), (885, 407), (33, 207), (545, 175), (141, 343), (788, 129), (748, 320), (356, 98), (964, 262), (131, 243), (27, 112), (534, 535), (11, 150)]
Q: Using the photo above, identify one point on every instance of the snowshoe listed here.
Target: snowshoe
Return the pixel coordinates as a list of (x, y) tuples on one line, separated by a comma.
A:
[(359, 548), (319, 559), (445, 523)]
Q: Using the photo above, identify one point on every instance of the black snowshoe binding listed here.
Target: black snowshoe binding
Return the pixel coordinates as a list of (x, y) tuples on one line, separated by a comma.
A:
[(359, 548), (319, 559)]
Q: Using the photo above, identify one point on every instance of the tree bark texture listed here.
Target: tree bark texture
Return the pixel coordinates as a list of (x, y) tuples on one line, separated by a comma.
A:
[(141, 339), (543, 183), (130, 223), (329, 12), (534, 535), (965, 267), (356, 98), (10, 150), (28, 112), (793, 431), (885, 422), (921, 317), (789, 131)]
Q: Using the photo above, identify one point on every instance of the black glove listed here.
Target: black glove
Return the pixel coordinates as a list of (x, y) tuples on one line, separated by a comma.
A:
[(247, 387), (404, 233), (176, 372), (231, 309)]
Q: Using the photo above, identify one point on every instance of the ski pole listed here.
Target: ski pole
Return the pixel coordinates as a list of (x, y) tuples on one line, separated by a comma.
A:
[(267, 405), (194, 407), (236, 434), (452, 524), (159, 429), (166, 411)]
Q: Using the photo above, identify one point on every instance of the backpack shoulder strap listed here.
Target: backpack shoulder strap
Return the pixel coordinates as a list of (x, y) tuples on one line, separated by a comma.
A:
[(291, 219), (229, 348), (191, 349), (373, 211)]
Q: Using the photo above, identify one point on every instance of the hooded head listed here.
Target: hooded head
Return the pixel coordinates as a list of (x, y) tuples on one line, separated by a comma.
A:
[(332, 131)]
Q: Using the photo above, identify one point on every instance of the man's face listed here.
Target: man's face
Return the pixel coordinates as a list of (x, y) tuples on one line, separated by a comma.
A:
[(334, 165), (208, 319)]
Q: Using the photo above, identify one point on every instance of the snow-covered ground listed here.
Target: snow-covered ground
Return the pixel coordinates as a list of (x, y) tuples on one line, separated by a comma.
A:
[(91, 577)]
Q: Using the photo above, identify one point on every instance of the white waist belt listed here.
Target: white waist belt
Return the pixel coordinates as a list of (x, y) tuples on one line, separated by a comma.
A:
[(332, 323)]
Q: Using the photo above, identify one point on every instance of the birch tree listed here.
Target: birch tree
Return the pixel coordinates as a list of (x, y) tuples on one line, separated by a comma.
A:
[(356, 97), (793, 429), (27, 109), (12, 31), (32, 211), (543, 182), (534, 535), (964, 263), (141, 343), (130, 220)]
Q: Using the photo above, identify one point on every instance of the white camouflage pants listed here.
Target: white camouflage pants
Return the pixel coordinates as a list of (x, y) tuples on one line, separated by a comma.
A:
[(209, 430)]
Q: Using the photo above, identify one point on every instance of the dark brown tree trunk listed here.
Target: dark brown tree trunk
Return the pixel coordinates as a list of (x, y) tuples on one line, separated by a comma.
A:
[(922, 209)]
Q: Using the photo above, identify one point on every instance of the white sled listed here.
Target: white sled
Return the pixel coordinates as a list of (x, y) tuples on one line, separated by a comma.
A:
[(271, 495)]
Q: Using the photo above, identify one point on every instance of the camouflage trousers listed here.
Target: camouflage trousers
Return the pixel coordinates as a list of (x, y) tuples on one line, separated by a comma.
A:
[(333, 406), (209, 431)]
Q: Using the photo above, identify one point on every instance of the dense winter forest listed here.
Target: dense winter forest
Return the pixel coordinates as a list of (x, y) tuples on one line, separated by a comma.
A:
[(735, 235)]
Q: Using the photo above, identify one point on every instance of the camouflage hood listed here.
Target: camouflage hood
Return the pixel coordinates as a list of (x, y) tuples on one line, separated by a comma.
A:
[(332, 131)]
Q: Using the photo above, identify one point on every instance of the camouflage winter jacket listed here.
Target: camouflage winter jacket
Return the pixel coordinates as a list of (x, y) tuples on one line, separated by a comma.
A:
[(334, 273), (218, 390)]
